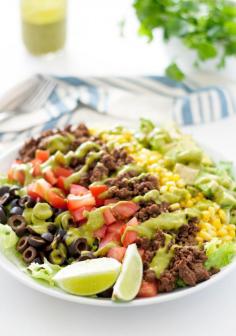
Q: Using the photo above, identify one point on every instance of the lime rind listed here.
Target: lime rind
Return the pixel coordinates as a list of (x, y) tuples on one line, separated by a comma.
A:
[(89, 277), (129, 281)]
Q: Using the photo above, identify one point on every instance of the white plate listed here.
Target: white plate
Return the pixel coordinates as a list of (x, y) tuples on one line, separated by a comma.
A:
[(11, 268)]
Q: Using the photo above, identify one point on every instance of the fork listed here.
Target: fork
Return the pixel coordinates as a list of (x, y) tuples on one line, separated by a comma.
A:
[(26, 97)]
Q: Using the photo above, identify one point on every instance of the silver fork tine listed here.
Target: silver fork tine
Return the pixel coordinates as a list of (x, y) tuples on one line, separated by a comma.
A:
[(29, 97), (40, 97), (13, 99), (42, 84)]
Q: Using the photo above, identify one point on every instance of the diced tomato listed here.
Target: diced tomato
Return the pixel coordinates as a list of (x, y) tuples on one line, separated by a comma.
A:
[(116, 227), (62, 171), (41, 187), (108, 217), (100, 233), (110, 200), (56, 200), (117, 252), (148, 289), (10, 174), (96, 191), (132, 222), (76, 202), (78, 214), (78, 190), (31, 191), (109, 237), (130, 237), (122, 229), (125, 209), (60, 183), (14, 174), (42, 155), (50, 177), (141, 252), (19, 176), (36, 167)]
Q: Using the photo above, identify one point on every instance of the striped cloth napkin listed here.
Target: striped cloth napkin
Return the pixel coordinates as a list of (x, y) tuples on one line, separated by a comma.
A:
[(121, 99)]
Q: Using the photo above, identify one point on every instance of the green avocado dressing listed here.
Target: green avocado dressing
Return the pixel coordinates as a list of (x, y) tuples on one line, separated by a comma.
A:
[(65, 159), (85, 148), (95, 221), (59, 142), (152, 195), (130, 167), (75, 178), (176, 195), (165, 221), (162, 257)]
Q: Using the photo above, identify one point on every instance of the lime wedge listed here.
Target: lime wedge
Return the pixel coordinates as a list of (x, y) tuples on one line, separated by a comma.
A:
[(130, 278), (88, 277)]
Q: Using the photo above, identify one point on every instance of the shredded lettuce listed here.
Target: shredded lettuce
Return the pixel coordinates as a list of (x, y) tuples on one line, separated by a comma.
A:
[(219, 255), (228, 167), (8, 238), (45, 271), (146, 126)]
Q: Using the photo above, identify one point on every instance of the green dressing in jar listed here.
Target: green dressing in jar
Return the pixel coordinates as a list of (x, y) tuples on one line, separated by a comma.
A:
[(43, 25)]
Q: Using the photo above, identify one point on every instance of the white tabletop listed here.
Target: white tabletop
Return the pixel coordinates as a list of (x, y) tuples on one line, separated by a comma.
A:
[(95, 48)]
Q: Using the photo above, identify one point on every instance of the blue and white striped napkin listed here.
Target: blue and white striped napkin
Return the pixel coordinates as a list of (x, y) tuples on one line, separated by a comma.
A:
[(121, 98)]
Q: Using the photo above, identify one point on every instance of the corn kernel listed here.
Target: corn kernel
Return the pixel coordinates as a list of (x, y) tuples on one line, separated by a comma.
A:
[(180, 184), (217, 224), (222, 215), (163, 189), (222, 232), (206, 215), (205, 235), (231, 227), (211, 210), (189, 203), (227, 238), (170, 183), (172, 189), (176, 177)]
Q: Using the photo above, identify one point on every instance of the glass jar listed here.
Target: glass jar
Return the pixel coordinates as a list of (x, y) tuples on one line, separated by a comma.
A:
[(43, 25)]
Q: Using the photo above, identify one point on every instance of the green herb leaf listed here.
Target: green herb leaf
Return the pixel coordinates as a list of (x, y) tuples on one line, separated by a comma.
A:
[(174, 72), (205, 26)]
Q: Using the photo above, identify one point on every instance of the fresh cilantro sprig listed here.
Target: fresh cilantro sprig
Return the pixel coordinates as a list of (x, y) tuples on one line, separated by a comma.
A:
[(207, 27)]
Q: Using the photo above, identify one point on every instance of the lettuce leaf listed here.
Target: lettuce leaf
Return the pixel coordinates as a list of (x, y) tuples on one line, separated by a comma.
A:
[(219, 255), (8, 238), (228, 167), (45, 271)]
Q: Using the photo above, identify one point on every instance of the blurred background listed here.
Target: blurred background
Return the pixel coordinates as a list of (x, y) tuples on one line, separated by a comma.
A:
[(94, 45), (102, 38)]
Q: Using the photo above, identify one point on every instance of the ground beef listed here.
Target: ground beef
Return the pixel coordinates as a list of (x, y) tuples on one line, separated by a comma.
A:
[(81, 134), (99, 172), (102, 168), (121, 157), (115, 181), (124, 188), (151, 209), (167, 282), (187, 265), (187, 233), (149, 247)]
